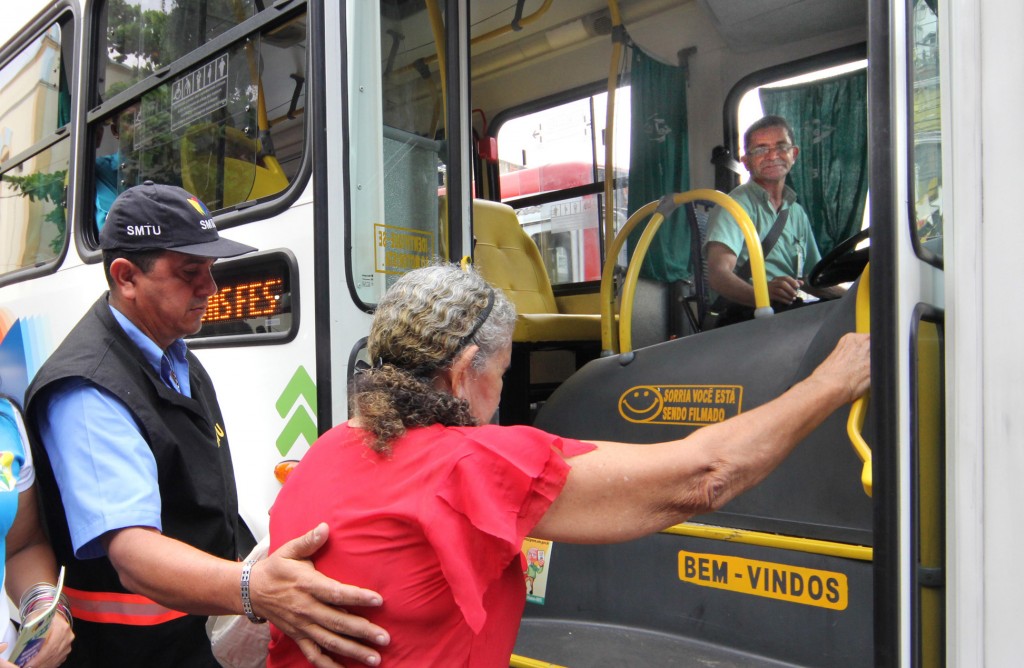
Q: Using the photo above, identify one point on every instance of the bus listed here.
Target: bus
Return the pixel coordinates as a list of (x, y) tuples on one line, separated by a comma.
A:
[(566, 232), (353, 141)]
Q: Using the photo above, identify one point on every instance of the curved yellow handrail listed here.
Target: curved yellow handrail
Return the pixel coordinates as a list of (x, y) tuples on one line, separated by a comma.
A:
[(508, 27), (624, 341), (609, 334), (855, 423)]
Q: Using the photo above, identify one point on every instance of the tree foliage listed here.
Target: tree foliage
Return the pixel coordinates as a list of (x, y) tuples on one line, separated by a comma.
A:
[(48, 187), (132, 31)]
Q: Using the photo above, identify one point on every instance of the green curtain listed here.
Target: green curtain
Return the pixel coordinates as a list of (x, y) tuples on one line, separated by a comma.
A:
[(829, 119), (659, 161), (63, 97)]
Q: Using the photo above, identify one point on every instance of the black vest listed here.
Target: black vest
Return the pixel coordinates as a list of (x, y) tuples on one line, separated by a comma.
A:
[(195, 475)]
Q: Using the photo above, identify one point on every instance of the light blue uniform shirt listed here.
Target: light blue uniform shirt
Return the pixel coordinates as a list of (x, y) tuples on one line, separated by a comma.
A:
[(103, 465), (794, 254)]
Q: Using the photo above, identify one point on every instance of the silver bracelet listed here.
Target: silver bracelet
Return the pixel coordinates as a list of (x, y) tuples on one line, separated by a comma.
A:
[(40, 596), (246, 602)]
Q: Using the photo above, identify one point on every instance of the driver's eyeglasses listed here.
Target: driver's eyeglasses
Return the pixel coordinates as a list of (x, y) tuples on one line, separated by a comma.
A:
[(761, 151)]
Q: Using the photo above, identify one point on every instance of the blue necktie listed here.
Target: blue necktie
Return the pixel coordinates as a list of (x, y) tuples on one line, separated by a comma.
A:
[(168, 375)]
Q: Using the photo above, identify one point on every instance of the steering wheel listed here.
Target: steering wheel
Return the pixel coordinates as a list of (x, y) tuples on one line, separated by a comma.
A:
[(842, 264)]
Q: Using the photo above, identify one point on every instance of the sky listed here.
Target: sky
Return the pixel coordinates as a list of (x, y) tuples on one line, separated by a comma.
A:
[(16, 14)]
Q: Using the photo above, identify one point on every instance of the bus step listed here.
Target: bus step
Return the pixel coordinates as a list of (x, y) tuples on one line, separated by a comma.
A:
[(584, 645)]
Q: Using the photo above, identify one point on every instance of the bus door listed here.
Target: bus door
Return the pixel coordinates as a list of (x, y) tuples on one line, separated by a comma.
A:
[(398, 173), (908, 222), (784, 574)]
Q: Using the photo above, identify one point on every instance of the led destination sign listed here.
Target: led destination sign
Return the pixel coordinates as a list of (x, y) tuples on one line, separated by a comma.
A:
[(254, 297)]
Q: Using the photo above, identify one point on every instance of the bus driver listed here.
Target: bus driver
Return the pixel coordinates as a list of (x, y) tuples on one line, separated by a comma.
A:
[(782, 225)]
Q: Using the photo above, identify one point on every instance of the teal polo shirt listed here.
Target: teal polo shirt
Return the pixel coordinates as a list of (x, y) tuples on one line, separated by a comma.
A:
[(796, 251)]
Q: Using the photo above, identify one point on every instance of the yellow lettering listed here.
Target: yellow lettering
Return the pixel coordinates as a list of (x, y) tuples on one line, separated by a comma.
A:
[(677, 396), (689, 404), (795, 584), (702, 395)]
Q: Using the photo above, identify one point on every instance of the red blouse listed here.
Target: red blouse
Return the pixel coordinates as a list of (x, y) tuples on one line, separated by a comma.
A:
[(435, 528)]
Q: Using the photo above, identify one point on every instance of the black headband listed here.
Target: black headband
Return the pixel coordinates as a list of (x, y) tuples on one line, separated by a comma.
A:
[(481, 318), (425, 370)]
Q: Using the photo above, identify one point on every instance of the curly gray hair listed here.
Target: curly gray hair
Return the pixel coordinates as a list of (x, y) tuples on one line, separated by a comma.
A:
[(425, 320)]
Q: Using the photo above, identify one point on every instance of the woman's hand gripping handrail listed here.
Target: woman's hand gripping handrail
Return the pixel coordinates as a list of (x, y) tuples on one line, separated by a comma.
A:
[(859, 409)]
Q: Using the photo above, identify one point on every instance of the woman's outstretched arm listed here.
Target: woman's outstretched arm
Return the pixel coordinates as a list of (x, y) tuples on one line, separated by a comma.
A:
[(622, 491)]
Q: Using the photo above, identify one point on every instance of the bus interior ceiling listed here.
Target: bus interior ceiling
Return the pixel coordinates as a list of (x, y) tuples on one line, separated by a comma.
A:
[(726, 40)]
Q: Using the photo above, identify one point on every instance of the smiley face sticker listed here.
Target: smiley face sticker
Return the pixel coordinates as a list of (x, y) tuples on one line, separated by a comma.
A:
[(694, 405), (641, 404)]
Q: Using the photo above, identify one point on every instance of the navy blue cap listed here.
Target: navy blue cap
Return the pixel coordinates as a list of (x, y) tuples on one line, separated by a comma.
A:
[(161, 217)]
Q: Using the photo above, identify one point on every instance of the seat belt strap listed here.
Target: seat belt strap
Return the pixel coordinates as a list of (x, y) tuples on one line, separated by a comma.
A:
[(767, 244)]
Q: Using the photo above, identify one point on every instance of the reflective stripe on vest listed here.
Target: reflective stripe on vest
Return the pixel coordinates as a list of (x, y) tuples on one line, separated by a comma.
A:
[(111, 608)]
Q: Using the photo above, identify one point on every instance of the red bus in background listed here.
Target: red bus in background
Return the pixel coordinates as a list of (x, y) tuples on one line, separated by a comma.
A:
[(567, 231), (546, 178)]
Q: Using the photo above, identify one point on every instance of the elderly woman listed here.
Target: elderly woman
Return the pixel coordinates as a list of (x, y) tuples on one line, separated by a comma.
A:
[(428, 504)]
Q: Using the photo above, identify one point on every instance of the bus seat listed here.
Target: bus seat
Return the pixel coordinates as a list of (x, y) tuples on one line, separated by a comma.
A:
[(698, 299), (507, 257), (247, 175), (664, 311), (727, 170)]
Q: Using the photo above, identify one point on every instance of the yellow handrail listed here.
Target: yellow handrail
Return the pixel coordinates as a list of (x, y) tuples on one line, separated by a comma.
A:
[(624, 341), (764, 539), (609, 132), (609, 334), (855, 423), (437, 29), (508, 27), (525, 662), (497, 32)]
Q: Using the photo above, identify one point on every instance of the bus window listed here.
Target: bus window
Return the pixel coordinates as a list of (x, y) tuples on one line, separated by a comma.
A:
[(34, 150), (926, 141), (227, 125), (138, 40), (827, 109), (399, 158), (551, 171)]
